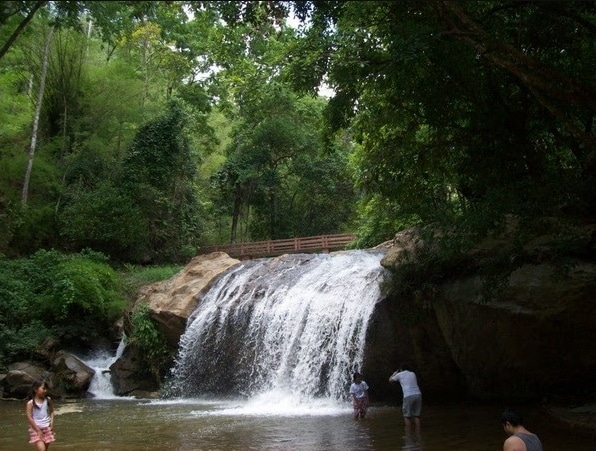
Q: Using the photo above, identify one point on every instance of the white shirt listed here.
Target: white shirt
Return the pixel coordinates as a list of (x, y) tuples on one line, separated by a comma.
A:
[(359, 390), (40, 414), (408, 382)]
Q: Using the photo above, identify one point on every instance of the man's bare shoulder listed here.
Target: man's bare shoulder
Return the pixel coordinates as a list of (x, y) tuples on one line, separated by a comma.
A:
[(514, 443)]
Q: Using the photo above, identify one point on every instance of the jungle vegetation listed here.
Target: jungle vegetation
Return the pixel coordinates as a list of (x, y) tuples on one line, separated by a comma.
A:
[(133, 133)]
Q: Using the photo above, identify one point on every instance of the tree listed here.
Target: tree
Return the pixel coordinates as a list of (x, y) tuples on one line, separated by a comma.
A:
[(113, 19), (159, 172), (38, 103), (23, 12), (465, 111), (278, 180)]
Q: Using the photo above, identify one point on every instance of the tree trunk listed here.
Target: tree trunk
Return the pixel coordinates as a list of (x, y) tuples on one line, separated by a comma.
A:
[(42, 84), (15, 34)]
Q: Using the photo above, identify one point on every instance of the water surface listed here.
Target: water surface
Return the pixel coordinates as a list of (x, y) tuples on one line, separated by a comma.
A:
[(131, 424)]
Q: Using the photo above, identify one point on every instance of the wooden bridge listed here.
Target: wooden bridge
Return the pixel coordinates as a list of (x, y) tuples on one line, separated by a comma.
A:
[(273, 248)]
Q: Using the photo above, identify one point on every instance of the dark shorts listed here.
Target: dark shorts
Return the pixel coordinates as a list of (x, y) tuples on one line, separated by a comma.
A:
[(412, 406), (47, 436)]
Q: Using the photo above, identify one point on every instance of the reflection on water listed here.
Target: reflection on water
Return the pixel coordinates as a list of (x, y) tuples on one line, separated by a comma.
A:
[(125, 425)]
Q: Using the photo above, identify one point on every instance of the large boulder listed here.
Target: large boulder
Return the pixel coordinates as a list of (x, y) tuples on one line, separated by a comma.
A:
[(534, 336), (66, 376), (401, 332), (129, 377), (172, 301), (20, 376), (537, 337), (73, 376)]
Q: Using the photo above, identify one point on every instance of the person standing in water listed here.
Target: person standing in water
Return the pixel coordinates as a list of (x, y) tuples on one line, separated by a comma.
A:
[(359, 392), (40, 415), (520, 439), (412, 396)]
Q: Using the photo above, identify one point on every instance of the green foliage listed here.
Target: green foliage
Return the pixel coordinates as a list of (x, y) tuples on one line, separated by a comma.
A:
[(278, 177), (21, 342), (85, 290), (106, 219), (73, 298), (159, 177), (30, 229), (15, 109), (461, 112), (463, 108), (379, 220), (134, 276), (149, 340)]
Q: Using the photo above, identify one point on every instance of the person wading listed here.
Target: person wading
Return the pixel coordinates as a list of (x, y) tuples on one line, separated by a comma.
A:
[(412, 396), (520, 439)]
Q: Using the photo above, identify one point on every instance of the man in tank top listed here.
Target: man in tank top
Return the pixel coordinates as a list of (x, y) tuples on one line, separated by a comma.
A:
[(520, 439)]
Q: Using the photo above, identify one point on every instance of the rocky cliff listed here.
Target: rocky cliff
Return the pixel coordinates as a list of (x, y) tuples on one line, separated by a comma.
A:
[(533, 338)]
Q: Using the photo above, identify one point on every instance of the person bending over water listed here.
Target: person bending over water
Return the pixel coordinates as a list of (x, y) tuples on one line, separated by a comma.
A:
[(359, 392), (412, 396), (40, 415), (520, 439)]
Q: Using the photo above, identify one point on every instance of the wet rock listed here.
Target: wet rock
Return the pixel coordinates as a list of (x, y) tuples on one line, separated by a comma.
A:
[(534, 337), (73, 376), (129, 375)]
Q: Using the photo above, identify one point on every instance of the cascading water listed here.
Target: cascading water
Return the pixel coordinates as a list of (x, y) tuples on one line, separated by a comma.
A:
[(101, 384), (294, 325)]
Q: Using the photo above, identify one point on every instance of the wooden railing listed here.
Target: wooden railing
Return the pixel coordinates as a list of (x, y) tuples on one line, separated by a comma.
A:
[(273, 248)]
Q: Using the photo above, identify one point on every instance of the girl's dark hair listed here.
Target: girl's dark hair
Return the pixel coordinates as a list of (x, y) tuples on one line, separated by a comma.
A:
[(34, 386)]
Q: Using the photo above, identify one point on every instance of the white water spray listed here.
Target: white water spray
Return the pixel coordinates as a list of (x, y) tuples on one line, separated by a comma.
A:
[(101, 385), (290, 329)]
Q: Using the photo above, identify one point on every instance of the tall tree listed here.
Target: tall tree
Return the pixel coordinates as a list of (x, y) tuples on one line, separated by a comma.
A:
[(38, 103), (159, 173), (24, 13), (462, 109)]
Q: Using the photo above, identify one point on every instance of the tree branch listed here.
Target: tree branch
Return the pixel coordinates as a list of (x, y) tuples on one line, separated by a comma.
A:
[(15, 34)]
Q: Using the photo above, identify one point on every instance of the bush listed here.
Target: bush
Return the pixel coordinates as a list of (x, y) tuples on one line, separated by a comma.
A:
[(73, 298), (149, 341)]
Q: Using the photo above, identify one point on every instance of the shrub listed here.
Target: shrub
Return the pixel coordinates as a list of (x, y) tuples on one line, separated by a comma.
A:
[(149, 341), (73, 298)]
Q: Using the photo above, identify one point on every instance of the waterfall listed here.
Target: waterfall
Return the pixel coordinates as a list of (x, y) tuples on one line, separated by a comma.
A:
[(101, 384), (295, 324)]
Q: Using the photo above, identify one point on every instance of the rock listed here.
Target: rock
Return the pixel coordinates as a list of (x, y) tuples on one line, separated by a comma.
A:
[(19, 378), (128, 375), (536, 337), (47, 348), (73, 376), (400, 332), (533, 338), (172, 301)]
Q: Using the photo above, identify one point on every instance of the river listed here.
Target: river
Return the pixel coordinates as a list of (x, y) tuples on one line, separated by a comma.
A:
[(193, 424)]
